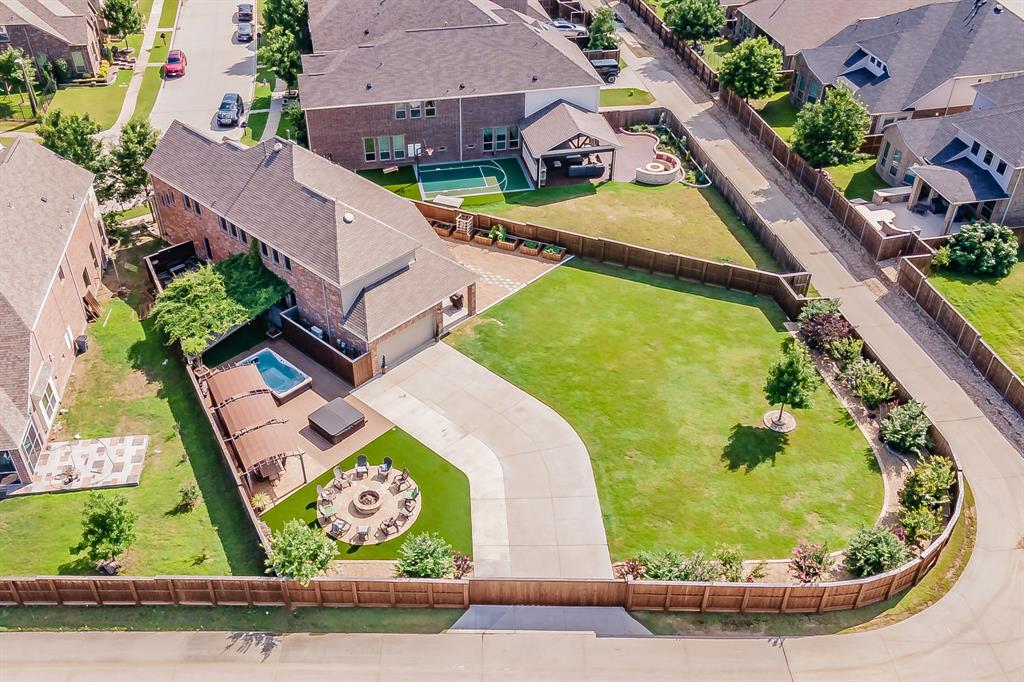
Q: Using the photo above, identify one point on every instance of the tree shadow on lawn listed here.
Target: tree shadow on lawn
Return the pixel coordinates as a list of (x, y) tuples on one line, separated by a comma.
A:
[(751, 446), (79, 566)]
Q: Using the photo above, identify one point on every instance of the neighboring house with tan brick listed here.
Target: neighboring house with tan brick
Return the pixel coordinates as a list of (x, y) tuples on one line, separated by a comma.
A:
[(917, 63), (365, 267), (48, 30), (52, 238), (964, 166), (387, 81)]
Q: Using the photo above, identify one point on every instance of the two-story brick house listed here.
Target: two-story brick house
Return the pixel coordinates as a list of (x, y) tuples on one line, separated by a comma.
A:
[(48, 30), (364, 266), (386, 82), (52, 237)]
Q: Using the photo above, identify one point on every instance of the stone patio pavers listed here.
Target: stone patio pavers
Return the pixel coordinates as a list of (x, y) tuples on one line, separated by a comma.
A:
[(532, 493), (98, 462)]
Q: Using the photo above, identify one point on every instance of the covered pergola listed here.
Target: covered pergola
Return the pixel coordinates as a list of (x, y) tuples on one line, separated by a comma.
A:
[(959, 191), (563, 132)]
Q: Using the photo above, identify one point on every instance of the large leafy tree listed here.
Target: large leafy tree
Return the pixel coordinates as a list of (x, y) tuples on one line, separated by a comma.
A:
[(983, 248), (602, 30), (107, 527), (751, 70), (126, 173), (72, 136), (792, 379), (291, 15), (123, 18), (280, 53), (830, 131), (694, 19), (299, 552), (11, 73)]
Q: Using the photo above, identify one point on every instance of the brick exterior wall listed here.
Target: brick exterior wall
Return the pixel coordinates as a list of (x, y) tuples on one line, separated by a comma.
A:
[(338, 133), (82, 268), (38, 43)]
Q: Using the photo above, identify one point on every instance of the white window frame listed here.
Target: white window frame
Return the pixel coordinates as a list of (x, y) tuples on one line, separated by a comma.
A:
[(400, 112), (430, 108), (415, 109), (5, 36), (53, 403)]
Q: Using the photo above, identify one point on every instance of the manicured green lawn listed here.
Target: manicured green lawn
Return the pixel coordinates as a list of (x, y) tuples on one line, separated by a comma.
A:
[(134, 212), (778, 112), (624, 97), (695, 222), (444, 494), (402, 182), (128, 383), (145, 7), (168, 14), (15, 105), (102, 103), (663, 381), (254, 128), (151, 81), (264, 87), (715, 51), (994, 306), (158, 55), (226, 618), (286, 129), (857, 180)]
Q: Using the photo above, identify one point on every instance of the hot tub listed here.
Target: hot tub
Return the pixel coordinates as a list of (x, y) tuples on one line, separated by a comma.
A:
[(284, 379)]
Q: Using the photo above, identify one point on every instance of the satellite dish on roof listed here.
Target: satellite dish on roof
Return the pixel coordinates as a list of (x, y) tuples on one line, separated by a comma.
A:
[(348, 218)]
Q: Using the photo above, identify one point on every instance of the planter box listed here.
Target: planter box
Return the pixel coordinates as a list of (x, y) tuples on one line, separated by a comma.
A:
[(462, 236), (444, 230), (531, 251), (554, 256), (509, 244), (483, 237)]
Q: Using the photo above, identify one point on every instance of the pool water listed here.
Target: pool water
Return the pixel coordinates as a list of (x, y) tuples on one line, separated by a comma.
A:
[(281, 376)]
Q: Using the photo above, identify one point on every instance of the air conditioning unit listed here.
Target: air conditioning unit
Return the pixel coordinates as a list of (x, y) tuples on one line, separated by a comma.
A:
[(316, 331)]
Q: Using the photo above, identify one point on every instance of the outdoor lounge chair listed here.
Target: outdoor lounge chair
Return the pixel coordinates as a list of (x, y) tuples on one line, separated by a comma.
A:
[(325, 494), (341, 479), (401, 480), (362, 466), (326, 511), (362, 532), (387, 525), (384, 470), (338, 528)]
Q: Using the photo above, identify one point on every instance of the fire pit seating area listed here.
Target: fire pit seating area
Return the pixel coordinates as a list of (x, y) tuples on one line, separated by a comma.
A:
[(369, 504), (661, 170)]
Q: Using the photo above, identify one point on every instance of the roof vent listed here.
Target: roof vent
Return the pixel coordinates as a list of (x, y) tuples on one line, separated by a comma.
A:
[(348, 218), (462, 86), (278, 146), (369, 86), (43, 199), (998, 9), (536, 78)]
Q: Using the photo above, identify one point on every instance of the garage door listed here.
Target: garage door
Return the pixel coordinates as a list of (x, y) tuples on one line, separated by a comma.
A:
[(398, 347)]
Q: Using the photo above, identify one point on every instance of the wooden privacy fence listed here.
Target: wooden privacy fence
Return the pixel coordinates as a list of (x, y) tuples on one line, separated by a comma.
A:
[(694, 61)]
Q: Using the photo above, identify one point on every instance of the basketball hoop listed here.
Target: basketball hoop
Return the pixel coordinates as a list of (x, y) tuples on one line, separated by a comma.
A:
[(429, 151)]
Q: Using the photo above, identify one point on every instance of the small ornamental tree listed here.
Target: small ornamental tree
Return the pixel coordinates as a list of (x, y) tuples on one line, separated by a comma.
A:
[(107, 527), (830, 131), (279, 51), (791, 380), (694, 19), (602, 30), (811, 562), (874, 550), (71, 136), (751, 70), (906, 428), (287, 14), (426, 555), (126, 173), (983, 248), (11, 72), (123, 18), (299, 552)]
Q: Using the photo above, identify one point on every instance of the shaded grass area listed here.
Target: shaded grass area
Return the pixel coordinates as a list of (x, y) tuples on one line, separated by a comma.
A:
[(168, 14), (241, 619), (133, 212), (994, 306), (778, 112), (715, 51), (102, 103), (444, 497), (15, 105), (677, 218), (130, 383), (858, 179), (151, 81), (254, 128), (622, 97), (286, 129), (663, 381), (936, 583), (402, 182)]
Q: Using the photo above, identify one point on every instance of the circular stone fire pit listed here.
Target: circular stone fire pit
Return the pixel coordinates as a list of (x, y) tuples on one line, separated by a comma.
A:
[(367, 501)]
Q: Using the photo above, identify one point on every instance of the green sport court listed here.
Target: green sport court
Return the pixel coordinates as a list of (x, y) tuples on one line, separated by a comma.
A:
[(473, 178)]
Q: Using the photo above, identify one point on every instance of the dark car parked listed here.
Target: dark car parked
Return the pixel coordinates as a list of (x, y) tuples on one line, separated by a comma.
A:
[(608, 69), (245, 12), (245, 32), (231, 110)]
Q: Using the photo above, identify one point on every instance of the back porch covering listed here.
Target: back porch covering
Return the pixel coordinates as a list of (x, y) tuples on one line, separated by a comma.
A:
[(547, 129)]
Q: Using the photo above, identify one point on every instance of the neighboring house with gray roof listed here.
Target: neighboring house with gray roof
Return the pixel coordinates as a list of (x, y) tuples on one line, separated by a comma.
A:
[(917, 63), (387, 81), (364, 266), (48, 30), (52, 235), (964, 166)]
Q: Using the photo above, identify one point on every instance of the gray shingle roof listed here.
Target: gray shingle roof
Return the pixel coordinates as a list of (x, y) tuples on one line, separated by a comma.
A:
[(519, 55), (961, 181), (926, 46), (1000, 129), (14, 376), (561, 121), (1003, 91), (66, 20)]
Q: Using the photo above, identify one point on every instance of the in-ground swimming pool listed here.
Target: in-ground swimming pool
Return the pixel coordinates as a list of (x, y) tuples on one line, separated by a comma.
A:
[(284, 379)]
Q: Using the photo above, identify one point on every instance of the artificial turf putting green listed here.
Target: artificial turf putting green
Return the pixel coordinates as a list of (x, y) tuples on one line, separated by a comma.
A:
[(444, 493), (663, 381)]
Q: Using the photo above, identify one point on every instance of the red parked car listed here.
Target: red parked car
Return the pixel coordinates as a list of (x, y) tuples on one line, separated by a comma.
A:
[(176, 63)]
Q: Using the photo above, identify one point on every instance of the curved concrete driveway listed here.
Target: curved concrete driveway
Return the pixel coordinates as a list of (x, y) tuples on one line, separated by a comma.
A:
[(534, 502)]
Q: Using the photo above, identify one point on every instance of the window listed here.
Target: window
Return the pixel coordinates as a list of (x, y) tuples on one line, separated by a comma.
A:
[(287, 263), (186, 200), (908, 179), (243, 235), (4, 35), (400, 112), (988, 157), (234, 230), (60, 273), (501, 138), (208, 248), (48, 402), (92, 252), (1001, 168), (79, 62), (430, 108), (384, 148), (897, 156), (264, 250), (223, 224), (86, 278), (398, 144), (513, 137), (886, 122), (31, 446), (885, 152), (6, 461), (975, 147), (415, 109), (369, 151), (277, 256), (488, 139)]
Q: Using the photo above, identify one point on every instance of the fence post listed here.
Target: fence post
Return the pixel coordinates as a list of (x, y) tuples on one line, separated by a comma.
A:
[(668, 597), (355, 594), (135, 592), (860, 593), (430, 593), (56, 592), (285, 595), (629, 593), (465, 593), (821, 602), (319, 596), (248, 592), (917, 572), (892, 588), (704, 599), (17, 595), (209, 589), (95, 591), (746, 595), (174, 592), (785, 600), (391, 588)]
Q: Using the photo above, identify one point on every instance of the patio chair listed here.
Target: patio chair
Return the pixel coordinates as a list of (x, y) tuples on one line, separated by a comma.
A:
[(341, 479), (325, 494), (384, 470), (387, 525), (401, 480), (338, 528), (362, 466), (362, 532), (326, 511)]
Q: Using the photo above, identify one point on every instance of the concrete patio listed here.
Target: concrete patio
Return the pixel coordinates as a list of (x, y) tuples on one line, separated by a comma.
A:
[(87, 465), (899, 216), (501, 272)]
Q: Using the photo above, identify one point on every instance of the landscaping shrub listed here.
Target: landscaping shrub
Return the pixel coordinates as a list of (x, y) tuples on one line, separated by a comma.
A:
[(552, 248), (845, 351), (631, 568), (942, 258), (530, 244), (929, 484), (426, 555), (462, 564), (817, 307), (259, 502), (873, 551), (920, 524), (906, 428), (823, 329), (757, 573), (730, 563), (811, 562), (499, 232), (869, 382), (664, 564), (190, 496), (299, 552), (983, 248), (724, 563)]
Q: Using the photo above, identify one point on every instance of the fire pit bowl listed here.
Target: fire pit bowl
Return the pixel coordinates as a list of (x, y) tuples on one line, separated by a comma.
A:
[(367, 501)]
